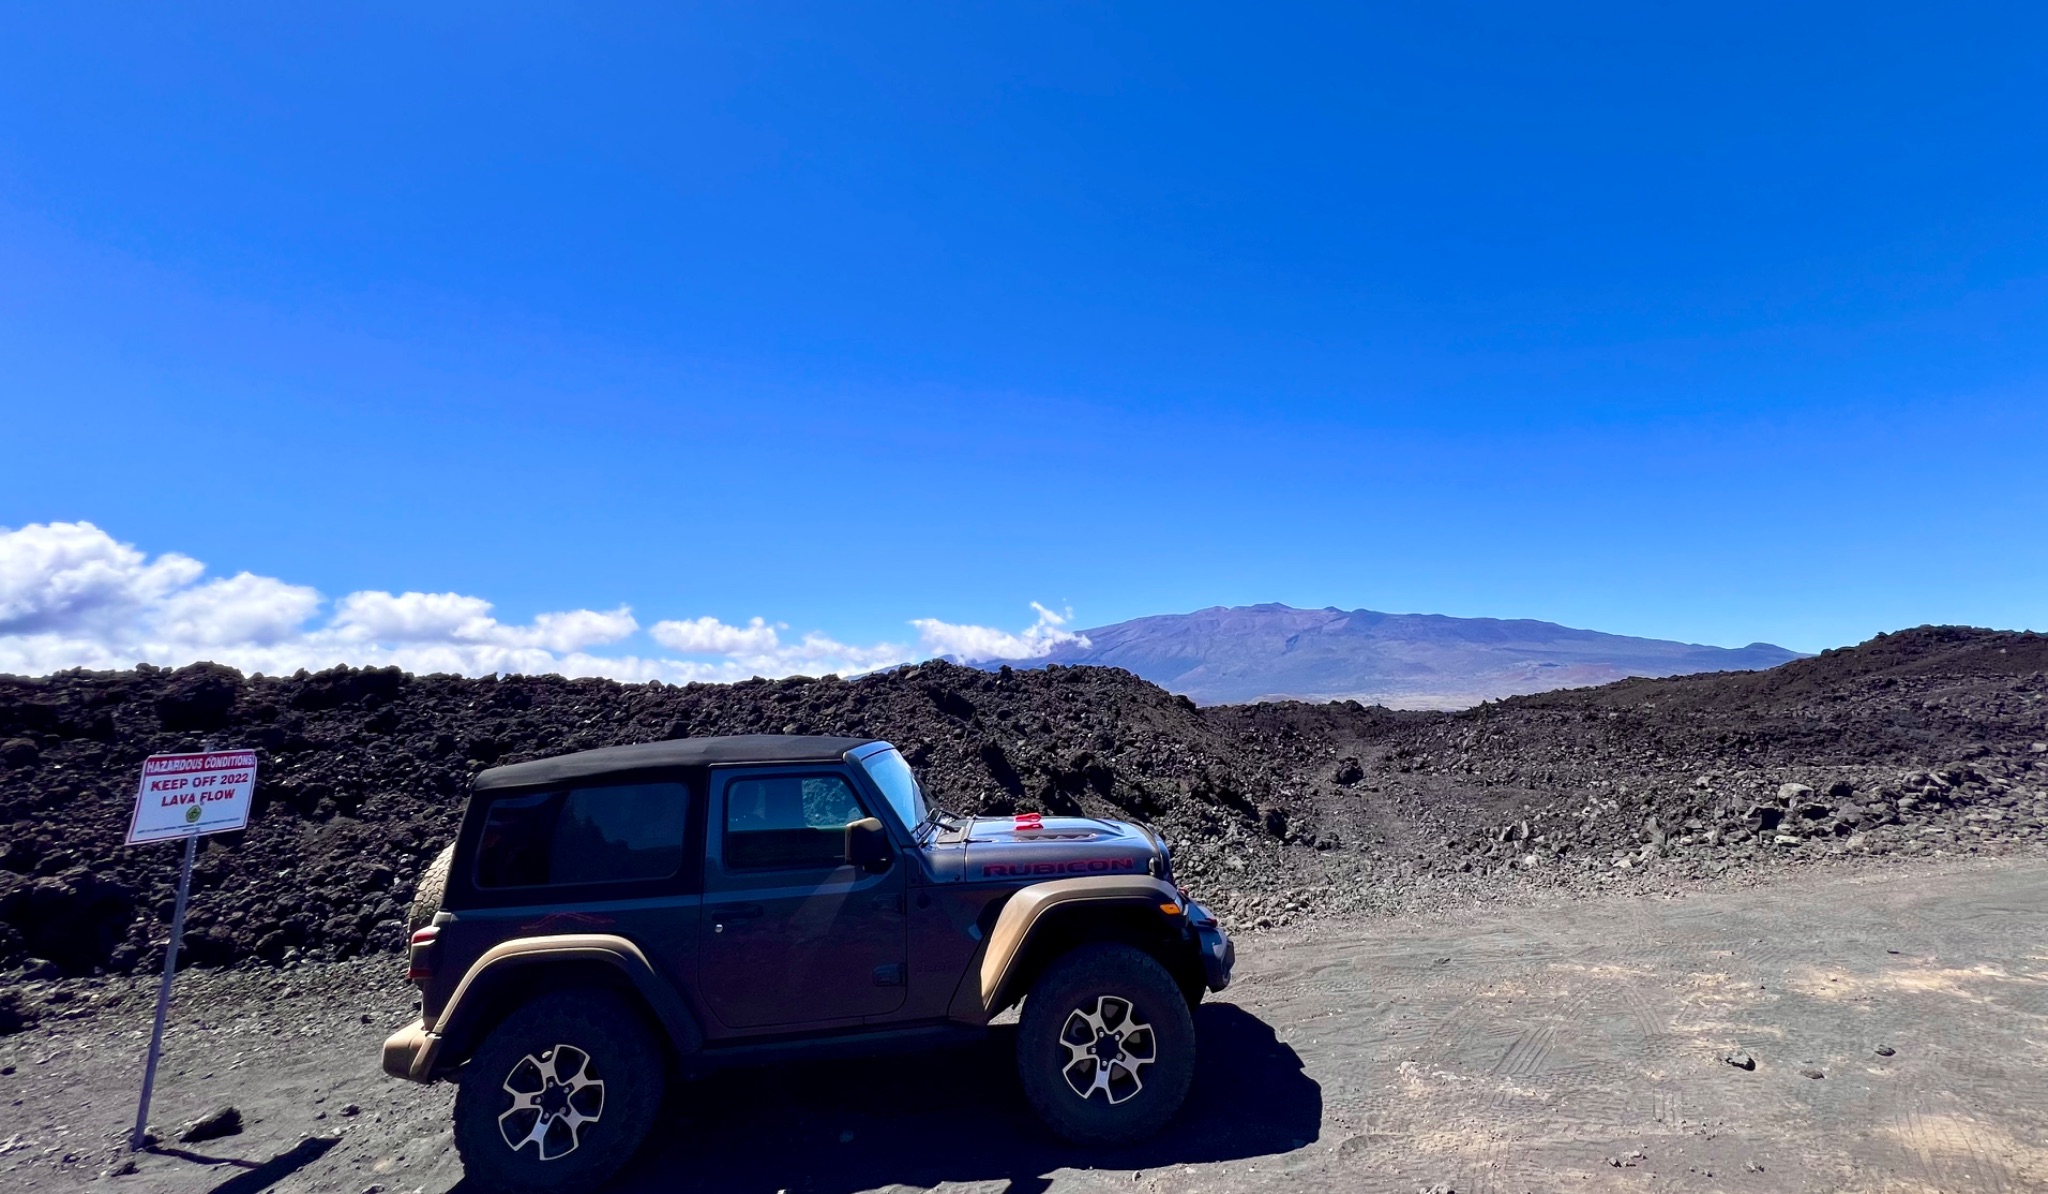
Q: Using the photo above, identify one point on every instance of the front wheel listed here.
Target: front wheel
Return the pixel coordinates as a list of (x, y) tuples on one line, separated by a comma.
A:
[(559, 1096), (1106, 1047)]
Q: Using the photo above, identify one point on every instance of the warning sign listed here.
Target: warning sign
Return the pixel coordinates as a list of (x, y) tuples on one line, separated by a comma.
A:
[(187, 795)]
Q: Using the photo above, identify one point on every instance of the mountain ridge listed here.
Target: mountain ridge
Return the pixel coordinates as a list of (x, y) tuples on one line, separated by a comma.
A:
[(1272, 651)]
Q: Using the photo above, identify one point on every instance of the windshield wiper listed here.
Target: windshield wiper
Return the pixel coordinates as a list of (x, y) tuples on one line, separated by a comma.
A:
[(932, 818)]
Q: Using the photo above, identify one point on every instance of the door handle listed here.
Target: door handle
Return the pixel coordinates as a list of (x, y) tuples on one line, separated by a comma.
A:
[(733, 912)]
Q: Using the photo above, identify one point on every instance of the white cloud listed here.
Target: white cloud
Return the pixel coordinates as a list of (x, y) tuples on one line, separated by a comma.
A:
[(72, 574), (757, 649), (242, 609), (451, 618), (976, 643), (73, 596), (576, 629), (372, 616), (709, 636)]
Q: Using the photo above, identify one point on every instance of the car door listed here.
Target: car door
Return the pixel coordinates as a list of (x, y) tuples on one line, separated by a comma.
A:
[(792, 934)]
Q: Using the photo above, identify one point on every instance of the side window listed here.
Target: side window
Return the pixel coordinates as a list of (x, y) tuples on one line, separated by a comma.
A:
[(788, 821), (613, 834)]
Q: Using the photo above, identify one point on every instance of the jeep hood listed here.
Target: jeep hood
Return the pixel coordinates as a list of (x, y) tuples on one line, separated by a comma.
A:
[(1035, 848)]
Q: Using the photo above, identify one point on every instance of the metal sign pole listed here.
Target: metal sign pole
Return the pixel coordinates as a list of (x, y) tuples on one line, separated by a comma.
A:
[(189, 796), (163, 995)]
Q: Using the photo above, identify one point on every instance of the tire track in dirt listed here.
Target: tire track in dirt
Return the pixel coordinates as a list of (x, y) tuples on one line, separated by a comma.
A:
[(1955, 1154), (1613, 1050)]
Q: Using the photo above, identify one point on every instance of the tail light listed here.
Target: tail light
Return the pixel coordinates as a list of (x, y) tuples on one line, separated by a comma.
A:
[(420, 955)]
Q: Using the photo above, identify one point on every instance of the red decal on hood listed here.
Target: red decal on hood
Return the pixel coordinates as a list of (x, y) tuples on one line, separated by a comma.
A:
[(1027, 822)]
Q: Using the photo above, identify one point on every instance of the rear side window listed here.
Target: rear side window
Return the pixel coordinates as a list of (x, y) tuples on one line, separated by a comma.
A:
[(612, 834), (784, 821)]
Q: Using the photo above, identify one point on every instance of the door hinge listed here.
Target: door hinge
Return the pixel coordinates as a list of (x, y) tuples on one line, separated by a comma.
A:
[(890, 975)]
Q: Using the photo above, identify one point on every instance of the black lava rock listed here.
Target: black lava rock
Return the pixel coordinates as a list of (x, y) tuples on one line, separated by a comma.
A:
[(225, 1121), (1273, 810)]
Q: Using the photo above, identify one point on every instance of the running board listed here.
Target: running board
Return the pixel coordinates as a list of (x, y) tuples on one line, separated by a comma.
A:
[(836, 1046)]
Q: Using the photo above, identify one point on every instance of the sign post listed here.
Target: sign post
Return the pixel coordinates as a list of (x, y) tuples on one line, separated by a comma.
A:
[(184, 796)]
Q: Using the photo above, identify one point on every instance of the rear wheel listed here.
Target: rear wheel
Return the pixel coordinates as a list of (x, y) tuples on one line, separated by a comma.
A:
[(559, 1096), (1106, 1047)]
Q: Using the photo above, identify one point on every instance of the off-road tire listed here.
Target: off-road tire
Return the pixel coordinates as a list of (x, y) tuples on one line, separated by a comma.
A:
[(426, 898), (618, 1051), (1125, 990)]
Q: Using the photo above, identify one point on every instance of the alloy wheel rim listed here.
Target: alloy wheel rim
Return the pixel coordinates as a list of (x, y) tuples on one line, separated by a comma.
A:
[(1108, 1048), (555, 1095)]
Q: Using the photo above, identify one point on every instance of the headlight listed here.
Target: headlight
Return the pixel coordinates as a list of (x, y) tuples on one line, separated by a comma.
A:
[(1160, 865)]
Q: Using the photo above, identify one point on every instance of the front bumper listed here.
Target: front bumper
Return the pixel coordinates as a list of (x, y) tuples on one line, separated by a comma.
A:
[(409, 1053), (1218, 954)]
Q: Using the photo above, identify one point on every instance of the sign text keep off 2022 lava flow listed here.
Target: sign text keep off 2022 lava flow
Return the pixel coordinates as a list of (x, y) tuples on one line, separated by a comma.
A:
[(185, 795)]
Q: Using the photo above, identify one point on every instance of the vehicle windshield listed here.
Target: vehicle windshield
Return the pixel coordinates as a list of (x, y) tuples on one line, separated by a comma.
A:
[(898, 784)]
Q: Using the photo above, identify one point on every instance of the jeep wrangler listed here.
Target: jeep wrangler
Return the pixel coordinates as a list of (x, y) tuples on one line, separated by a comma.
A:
[(609, 921)]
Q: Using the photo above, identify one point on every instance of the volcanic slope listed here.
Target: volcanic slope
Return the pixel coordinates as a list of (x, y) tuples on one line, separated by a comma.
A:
[(1230, 655), (1924, 742)]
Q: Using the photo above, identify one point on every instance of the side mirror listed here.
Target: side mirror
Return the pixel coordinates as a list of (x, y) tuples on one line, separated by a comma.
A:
[(867, 846)]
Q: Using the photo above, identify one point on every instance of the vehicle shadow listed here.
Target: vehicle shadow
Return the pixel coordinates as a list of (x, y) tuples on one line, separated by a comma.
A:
[(959, 1115)]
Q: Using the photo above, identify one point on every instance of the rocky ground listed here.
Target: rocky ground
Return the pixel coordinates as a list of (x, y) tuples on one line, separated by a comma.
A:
[(1873, 1026), (1923, 743)]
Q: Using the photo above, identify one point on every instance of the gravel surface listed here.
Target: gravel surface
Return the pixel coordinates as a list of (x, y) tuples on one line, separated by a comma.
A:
[(1553, 1044)]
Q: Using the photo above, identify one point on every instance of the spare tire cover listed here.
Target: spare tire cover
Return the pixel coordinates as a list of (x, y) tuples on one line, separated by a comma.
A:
[(426, 901)]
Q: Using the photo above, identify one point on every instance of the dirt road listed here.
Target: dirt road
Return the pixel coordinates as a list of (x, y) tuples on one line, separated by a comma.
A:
[(1554, 1046)]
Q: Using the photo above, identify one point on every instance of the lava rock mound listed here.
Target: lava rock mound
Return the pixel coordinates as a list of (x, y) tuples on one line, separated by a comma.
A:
[(1931, 740)]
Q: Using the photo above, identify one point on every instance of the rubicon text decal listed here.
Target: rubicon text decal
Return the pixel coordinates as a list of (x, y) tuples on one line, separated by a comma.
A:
[(1078, 866)]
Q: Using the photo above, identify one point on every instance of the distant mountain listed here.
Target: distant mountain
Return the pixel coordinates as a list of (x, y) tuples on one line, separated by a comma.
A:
[(1415, 661)]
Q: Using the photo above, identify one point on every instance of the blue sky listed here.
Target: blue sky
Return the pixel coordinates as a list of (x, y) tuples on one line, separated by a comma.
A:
[(1724, 324)]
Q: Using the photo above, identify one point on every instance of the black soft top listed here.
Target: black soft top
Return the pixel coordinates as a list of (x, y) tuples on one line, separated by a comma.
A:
[(678, 752)]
